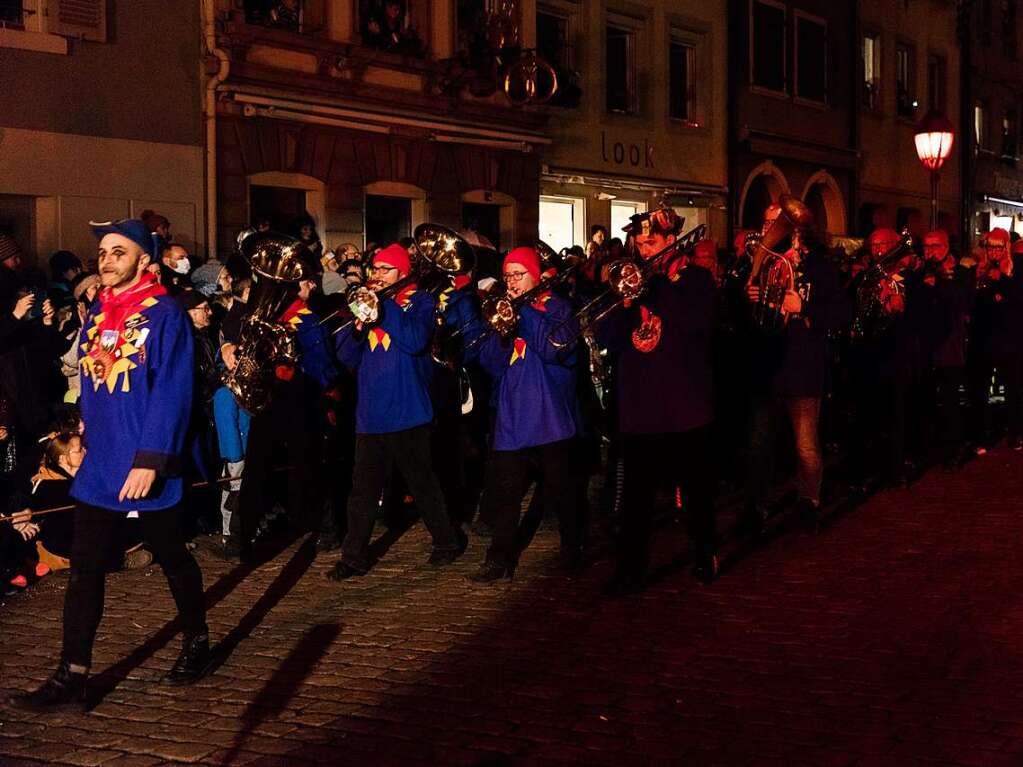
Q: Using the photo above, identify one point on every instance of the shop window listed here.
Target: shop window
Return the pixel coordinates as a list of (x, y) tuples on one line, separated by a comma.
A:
[(936, 83), (390, 25), (621, 215), (681, 80), (279, 14), (905, 76), (388, 219), (768, 41), (870, 56), (620, 69), (811, 59), (562, 221)]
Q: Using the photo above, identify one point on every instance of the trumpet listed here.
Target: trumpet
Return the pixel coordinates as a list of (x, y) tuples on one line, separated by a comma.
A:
[(440, 250), (628, 281)]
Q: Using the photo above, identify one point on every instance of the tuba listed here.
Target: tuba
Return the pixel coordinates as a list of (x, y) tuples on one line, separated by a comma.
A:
[(875, 286), (264, 343), (771, 271)]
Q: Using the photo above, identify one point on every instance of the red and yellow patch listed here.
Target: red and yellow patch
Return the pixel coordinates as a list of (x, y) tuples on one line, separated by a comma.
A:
[(107, 362), (518, 351), (378, 337)]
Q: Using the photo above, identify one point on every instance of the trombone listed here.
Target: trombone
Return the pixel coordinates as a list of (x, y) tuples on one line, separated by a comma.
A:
[(628, 280)]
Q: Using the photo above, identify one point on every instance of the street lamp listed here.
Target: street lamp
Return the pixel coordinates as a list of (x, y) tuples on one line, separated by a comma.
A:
[(934, 138)]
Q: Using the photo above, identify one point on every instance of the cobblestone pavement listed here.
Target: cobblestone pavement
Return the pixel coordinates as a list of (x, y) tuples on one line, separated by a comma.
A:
[(894, 637)]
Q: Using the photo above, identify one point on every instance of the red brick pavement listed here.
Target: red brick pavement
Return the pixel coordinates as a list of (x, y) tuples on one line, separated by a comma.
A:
[(894, 637)]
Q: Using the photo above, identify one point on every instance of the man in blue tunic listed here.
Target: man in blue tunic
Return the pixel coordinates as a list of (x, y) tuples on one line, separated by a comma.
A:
[(136, 365)]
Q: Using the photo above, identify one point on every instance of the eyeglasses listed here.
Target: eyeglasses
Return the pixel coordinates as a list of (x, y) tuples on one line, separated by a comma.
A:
[(514, 276), (381, 269)]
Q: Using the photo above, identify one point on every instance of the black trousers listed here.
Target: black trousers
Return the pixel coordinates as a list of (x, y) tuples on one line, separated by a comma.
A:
[(942, 424), (410, 451), (677, 459), (97, 535), (1008, 369), (286, 433), (879, 429), (509, 474)]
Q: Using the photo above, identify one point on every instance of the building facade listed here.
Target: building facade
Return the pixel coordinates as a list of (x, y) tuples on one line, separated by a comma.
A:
[(642, 120), (992, 92), (908, 65), (372, 123), (793, 123), (100, 118)]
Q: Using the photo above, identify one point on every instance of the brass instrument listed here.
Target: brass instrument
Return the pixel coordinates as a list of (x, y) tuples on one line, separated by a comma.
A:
[(440, 250), (772, 272), (264, 343), (628, 280), (874, 287), (501, 314)]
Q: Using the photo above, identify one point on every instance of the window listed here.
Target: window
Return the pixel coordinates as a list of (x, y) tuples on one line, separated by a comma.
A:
[(811, 59), (621, 213), (871, 55), (620, 69), (552, 35), (936, 83), (1009, 29), (681, 79), (768, 39), (562, 221), (388, 219), (1010, 136), (388, 25), (980, 125), (279, 14), (904, 85), (11, 13)]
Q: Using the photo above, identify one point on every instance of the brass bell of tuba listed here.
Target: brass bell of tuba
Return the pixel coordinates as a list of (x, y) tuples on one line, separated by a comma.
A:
[(771, 271), (277, 268)]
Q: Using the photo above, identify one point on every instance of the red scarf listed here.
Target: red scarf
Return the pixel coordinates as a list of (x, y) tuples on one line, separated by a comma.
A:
[(117, 308)]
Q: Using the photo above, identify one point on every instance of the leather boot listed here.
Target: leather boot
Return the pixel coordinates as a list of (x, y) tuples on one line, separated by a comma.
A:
[(193, 663), (64, 692)]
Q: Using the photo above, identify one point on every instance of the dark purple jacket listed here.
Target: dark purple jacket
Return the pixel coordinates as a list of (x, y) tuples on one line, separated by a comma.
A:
[(671, 387)]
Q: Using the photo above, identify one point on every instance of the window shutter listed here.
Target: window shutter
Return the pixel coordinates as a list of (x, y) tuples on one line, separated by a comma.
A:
[(80, 19)]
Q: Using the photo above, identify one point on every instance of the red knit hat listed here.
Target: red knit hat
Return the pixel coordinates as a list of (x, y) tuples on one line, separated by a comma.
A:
[(527, 259), (396, 256)]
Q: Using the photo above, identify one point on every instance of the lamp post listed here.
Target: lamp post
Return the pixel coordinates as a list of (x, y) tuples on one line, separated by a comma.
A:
[(934, 138)]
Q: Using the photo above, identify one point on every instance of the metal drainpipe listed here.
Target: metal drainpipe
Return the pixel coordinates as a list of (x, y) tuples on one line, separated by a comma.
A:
[(209, 12)]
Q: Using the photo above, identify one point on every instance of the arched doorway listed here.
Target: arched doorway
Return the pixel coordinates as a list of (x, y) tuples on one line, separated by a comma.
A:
[(764, 185), (824, 199), (281, 198)]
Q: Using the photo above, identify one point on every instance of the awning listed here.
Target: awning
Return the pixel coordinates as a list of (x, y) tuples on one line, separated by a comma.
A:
[(678, 192)]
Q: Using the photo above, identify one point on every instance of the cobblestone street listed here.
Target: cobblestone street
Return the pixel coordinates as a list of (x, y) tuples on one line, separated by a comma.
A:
[(893, 637)]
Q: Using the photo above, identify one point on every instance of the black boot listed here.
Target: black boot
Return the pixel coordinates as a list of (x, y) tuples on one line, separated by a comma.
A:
[(64, 692), (753, 523), (490, 572), (193, 663), (342, 571), (445, 557)]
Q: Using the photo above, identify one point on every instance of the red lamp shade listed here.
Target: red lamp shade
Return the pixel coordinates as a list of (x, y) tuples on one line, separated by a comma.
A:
[(934, 138)]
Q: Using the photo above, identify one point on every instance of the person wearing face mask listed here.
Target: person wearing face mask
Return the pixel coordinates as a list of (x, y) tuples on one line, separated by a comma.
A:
[(176, 269)]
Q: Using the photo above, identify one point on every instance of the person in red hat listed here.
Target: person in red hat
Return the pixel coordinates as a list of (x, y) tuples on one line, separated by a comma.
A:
[(995, 347), (536, 420), (387, 346)]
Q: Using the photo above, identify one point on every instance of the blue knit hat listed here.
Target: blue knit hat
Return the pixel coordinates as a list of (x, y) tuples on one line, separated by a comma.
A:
[(135, 230)]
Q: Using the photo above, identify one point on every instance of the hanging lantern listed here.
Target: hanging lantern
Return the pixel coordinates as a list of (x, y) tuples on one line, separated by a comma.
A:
[(934, 138)]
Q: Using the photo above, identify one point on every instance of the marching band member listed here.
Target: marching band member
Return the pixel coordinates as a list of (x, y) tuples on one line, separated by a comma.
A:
[(535, 421), (948, 291), (390, 354), (665, 402), (995, 347), (292, 420), (136, 368), (787, 379)]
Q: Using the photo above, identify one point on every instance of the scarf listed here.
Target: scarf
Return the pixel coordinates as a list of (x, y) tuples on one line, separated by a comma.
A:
[(117, 308)]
